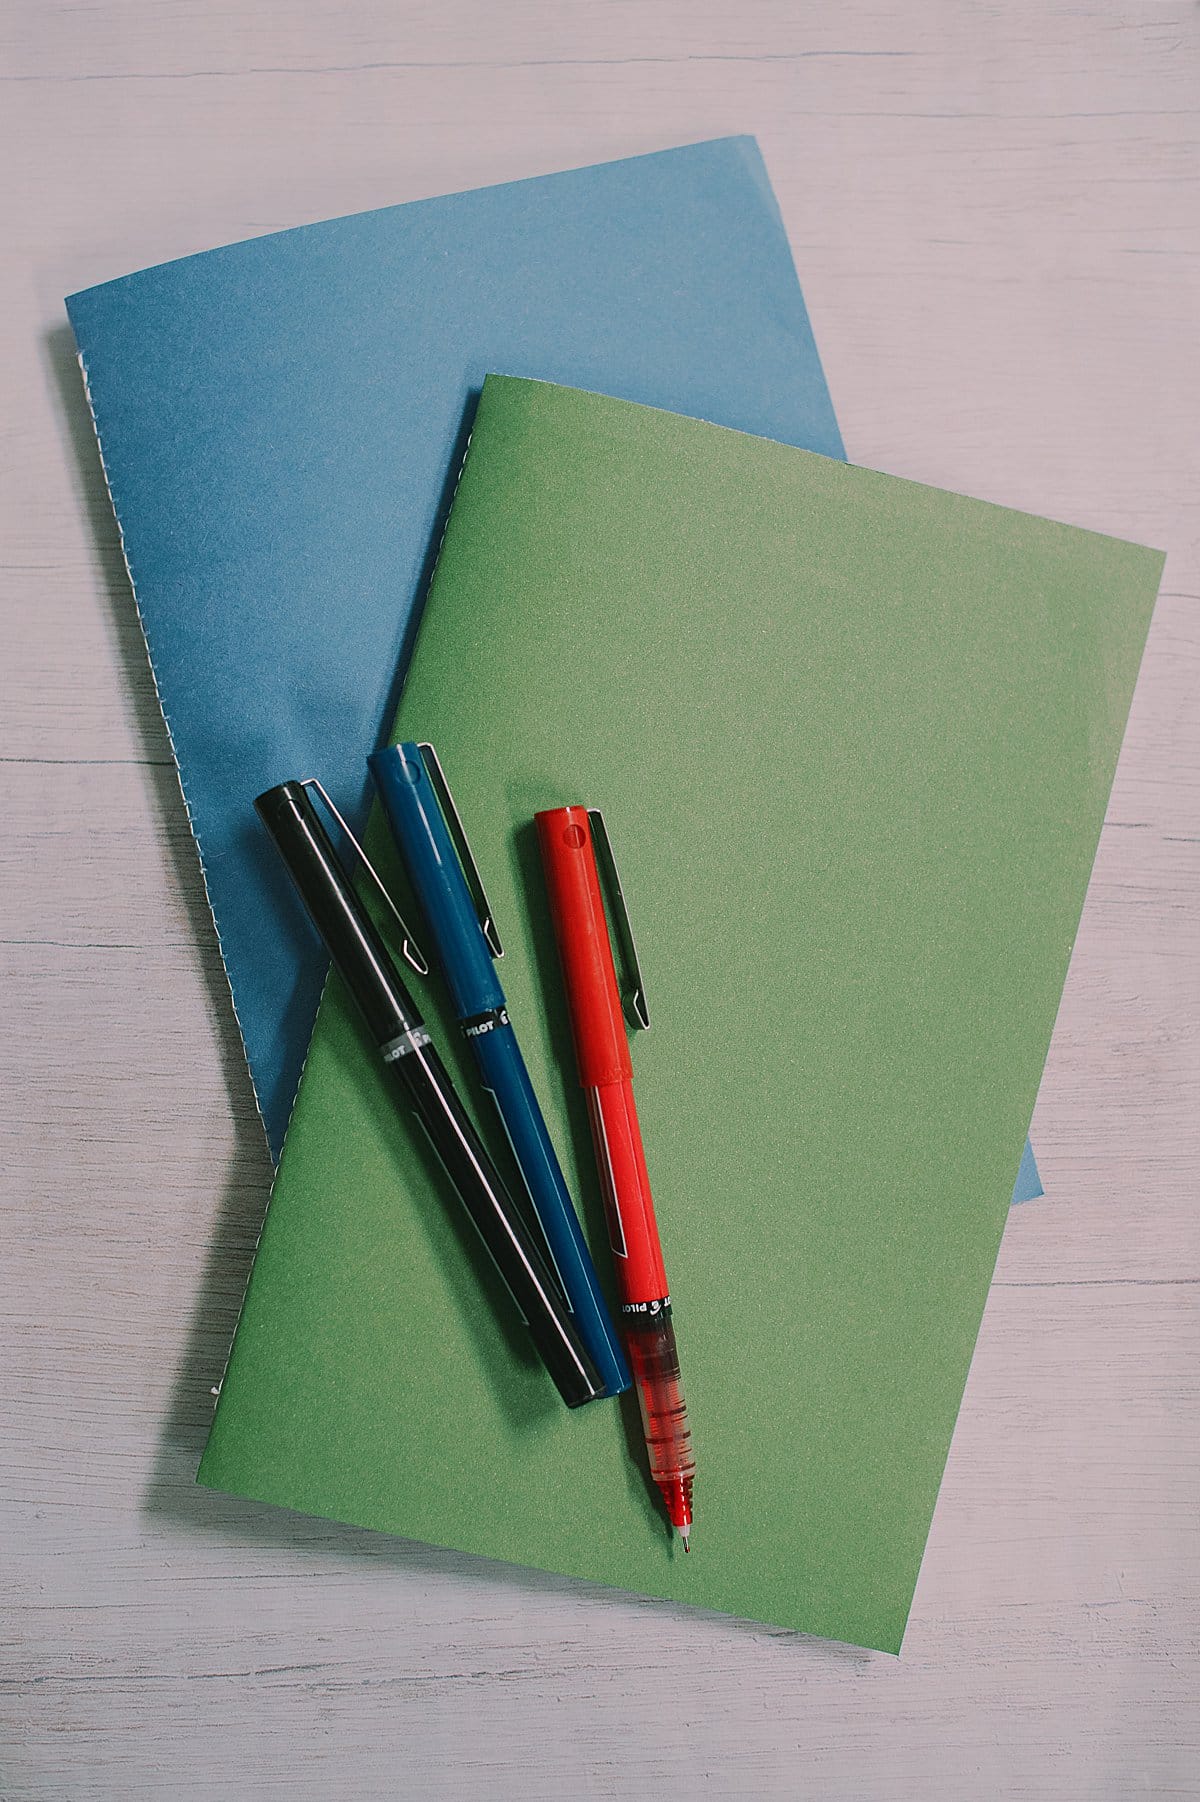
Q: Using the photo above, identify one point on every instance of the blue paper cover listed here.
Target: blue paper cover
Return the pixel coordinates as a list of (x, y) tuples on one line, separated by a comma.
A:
[(280, 422)]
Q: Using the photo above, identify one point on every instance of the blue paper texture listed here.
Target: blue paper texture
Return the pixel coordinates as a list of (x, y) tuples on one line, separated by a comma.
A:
[(281, 421), (1029, 1182)]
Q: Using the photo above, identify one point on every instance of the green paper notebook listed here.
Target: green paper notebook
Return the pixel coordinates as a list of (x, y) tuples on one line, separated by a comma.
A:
[(834, 719)]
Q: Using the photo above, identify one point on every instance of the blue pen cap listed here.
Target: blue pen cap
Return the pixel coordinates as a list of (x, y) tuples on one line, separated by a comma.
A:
[(420, 830)]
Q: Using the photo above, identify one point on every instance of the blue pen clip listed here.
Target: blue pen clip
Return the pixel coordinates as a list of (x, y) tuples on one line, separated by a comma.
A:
[(445, 877), (462, 845)]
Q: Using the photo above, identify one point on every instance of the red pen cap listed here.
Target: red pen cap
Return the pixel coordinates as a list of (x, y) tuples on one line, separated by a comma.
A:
[(581, 928)]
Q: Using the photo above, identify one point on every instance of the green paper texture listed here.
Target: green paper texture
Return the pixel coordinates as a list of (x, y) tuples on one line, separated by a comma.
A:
[(833, 719)]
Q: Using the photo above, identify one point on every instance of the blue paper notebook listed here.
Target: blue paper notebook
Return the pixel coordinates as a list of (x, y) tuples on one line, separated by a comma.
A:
[(281, 421)]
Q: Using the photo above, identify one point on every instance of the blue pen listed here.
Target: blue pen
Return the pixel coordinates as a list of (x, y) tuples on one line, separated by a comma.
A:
[(425, 822)]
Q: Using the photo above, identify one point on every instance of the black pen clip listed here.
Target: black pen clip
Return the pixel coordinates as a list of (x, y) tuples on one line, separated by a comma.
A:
[(411, 951), (462, 846), (633, 989)]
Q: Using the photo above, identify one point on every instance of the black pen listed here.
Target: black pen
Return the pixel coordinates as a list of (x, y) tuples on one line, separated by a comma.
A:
[(395, 1024)]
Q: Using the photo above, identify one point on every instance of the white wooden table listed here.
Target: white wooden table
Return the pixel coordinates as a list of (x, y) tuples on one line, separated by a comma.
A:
[(995, 214)]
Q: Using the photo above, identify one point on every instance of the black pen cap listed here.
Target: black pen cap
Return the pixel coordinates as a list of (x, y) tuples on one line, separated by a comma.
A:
[(350, 935)]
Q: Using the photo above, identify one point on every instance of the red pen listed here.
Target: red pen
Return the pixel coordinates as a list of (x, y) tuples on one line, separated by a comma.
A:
[(568, 837)]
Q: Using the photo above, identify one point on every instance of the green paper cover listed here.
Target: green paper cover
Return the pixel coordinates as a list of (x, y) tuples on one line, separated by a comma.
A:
[(833, 719)]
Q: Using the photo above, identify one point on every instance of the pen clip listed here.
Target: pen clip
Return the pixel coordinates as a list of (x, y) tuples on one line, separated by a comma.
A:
[(634, 989), (462, 846), (411, 951)]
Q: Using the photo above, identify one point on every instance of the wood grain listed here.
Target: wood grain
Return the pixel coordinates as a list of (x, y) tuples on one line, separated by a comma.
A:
[(994, 211)]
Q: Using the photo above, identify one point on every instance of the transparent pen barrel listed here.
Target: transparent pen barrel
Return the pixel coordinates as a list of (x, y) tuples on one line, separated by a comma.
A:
[(655, 1364)]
